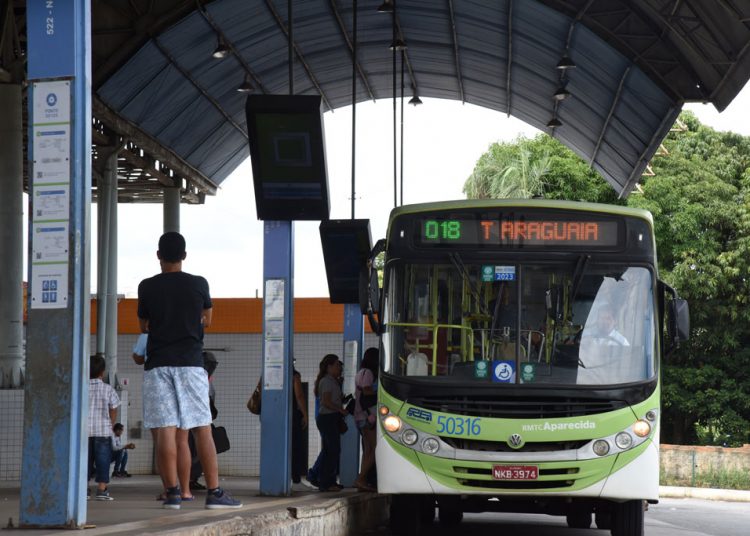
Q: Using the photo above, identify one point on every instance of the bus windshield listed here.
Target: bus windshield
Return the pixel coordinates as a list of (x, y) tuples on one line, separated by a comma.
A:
[(572, 323)]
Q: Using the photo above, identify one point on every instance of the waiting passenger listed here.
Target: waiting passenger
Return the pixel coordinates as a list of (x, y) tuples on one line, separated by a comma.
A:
[(365, 409), (103, 404), (329, 421)]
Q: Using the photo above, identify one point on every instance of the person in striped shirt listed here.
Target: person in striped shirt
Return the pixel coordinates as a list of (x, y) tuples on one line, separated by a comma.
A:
[(103, 404)]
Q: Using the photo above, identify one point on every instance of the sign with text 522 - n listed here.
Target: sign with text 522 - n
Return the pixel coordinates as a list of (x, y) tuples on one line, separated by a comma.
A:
[(50, 27)]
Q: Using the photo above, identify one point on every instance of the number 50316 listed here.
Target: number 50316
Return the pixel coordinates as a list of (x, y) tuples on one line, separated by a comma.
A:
[(459, 425)]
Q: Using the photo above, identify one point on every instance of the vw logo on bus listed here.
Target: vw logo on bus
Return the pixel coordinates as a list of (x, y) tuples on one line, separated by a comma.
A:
[(515, 441)]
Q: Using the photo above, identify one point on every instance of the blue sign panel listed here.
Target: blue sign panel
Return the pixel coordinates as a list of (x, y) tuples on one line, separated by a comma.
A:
[(49, 27), (504, 371)]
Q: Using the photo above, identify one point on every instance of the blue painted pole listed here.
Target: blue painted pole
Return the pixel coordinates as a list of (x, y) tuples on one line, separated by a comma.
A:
[(353, 342), (278, 332), (54, 464)]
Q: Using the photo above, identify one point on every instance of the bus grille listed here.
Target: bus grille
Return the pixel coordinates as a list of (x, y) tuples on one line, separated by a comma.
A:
[(502, 446), (552, 479), (514, 408)]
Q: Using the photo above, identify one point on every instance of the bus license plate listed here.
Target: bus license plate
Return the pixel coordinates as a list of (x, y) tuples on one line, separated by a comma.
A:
[(515, 472)]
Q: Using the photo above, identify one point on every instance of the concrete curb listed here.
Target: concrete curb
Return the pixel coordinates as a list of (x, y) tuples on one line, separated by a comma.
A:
[(337, 517), (710, 494)]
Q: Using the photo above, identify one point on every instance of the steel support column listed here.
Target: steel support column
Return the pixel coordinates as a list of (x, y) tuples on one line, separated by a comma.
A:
[(11, 237), (278, 333), (103, 206), (53, 472), (110, 346), (353, 342), (171, 210)]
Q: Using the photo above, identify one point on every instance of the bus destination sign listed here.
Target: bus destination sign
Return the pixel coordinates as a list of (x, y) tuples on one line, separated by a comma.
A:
[(519, 232)]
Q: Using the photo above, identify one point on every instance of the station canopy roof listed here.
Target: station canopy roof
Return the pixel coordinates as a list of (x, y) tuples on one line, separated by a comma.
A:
[(158, 85)]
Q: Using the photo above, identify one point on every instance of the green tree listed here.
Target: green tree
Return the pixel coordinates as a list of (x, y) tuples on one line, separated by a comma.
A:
[(700, 199), (541, 167)]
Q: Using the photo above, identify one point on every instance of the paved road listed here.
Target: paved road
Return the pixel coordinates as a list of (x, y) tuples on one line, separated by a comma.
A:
[(671, 517)]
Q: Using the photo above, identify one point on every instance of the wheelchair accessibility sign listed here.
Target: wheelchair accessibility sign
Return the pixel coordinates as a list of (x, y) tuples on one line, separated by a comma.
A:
[(504, 371)]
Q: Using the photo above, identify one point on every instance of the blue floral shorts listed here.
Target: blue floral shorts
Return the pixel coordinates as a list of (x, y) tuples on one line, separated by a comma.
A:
[(176, 396)]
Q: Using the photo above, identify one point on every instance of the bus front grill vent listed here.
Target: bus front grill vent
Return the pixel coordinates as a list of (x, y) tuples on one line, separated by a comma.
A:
[(516, 408), (553, 479), (502, 446)]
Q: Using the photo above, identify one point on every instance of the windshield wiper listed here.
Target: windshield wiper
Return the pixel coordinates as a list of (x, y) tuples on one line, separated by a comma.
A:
[(580, 269)]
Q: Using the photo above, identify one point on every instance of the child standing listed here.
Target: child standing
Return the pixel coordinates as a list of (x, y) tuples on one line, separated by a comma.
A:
[(103, 404)]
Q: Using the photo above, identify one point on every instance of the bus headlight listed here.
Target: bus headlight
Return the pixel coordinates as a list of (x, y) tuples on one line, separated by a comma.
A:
[(624, 440), (601, 447), (409, 437), (641, 428), (384, 411), (430, 445), (651, 415), (392, 423)]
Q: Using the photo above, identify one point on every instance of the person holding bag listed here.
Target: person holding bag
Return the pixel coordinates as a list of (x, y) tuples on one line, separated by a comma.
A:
[(331, 414), (365, 408)]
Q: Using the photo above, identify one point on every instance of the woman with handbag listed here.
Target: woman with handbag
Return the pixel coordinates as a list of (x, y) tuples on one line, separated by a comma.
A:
[(331, 415), (366, 390)]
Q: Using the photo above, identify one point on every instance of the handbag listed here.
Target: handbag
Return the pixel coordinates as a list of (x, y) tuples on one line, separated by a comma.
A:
[(221, 439), (253, 405)]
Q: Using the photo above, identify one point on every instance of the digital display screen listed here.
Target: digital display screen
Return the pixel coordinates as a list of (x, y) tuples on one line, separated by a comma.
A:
[(519, 232)]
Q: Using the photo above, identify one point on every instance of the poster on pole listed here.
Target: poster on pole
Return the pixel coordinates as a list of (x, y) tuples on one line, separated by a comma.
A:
[(51, 132), (50, 199), (273, 343)]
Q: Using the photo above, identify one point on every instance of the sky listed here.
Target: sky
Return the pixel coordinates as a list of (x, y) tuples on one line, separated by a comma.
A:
[(442, 142)]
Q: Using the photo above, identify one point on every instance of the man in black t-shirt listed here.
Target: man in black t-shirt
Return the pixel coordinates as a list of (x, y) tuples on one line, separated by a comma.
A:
[(174, 307)]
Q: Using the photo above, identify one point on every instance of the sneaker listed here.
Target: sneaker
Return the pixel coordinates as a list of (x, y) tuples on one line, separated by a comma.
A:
[(221, 499), (103, 495), (125, 474), (173, 499)]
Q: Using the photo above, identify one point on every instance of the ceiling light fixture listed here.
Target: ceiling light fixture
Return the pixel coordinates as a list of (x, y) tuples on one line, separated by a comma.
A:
[(246, 86), (554, 123), (561, 94), (565, 62), (415, 100), (221, 51), (386, 7), (398, 45)]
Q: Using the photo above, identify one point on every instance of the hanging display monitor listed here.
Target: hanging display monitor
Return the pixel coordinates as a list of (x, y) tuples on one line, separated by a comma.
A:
[(346, 248), (287, 150)]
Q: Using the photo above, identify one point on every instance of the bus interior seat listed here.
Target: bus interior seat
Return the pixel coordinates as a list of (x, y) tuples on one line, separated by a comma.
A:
[(416, 364)]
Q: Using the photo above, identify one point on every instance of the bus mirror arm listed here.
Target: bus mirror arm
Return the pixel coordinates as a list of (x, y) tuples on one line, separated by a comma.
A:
[(678, 320), (369, 288)]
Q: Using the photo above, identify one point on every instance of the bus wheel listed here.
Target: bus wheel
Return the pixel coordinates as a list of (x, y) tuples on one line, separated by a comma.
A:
[(627, 518), (603, 520), (405, 515), (449, 510), (579, 520), (427, 509)]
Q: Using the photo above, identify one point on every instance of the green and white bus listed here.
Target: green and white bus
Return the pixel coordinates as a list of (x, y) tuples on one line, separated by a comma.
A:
[(520, 361)]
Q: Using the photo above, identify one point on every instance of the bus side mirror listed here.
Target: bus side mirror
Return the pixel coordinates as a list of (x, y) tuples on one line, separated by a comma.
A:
[(369, 289), (678, 325)]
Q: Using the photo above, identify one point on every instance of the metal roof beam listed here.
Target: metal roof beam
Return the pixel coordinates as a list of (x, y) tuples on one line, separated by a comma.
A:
[(510, 54), (200, 89), (456, 53), (298, 52), (133, 133), (342, 27), (611, 113), (235, 53), (406, 57)]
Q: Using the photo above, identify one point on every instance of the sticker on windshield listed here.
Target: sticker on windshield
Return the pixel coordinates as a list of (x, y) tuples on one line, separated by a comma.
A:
[(503, 371), (505, 273), (528, 372)]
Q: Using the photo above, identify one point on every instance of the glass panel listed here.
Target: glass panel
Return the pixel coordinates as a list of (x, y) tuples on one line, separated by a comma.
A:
[(579, 325)]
